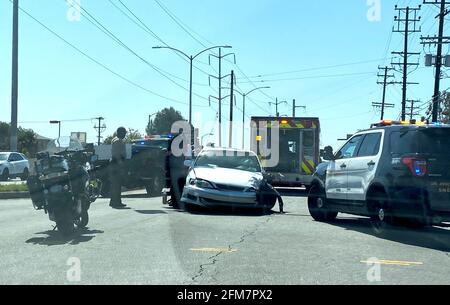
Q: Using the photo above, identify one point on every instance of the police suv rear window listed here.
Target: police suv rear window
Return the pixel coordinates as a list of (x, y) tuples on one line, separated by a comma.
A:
[(435, 141), (403, 142)]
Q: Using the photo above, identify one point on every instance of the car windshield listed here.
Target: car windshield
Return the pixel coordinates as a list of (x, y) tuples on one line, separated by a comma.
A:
[(3, 157), (224, 159), (64, 144)]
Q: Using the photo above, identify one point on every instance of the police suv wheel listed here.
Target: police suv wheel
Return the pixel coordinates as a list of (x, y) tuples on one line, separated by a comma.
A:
[(379, 215), (318, 207)]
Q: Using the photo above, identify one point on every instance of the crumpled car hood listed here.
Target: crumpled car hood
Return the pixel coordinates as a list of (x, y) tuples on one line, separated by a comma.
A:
[(230, 177)]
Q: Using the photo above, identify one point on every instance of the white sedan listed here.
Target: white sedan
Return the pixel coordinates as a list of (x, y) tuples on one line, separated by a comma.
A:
[(227, 177), (13, 165)]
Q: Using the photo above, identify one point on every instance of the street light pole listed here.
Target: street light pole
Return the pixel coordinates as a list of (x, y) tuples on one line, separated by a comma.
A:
[(191, 60), (243, 111), (150, 120), (15, 78), (206, 135), (190, 90), (244, 95)]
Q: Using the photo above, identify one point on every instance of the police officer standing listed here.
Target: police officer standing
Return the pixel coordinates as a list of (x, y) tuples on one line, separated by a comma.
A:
[(118, 152)]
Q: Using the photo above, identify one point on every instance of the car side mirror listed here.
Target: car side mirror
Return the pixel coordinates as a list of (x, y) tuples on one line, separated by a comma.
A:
[(268, 177), (188, 163)]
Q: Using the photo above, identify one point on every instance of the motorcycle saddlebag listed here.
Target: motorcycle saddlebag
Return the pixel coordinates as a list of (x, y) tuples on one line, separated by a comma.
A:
[(36, 191)]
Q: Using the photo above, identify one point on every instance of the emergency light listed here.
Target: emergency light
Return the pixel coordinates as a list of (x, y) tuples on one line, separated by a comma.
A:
[(384, 123)]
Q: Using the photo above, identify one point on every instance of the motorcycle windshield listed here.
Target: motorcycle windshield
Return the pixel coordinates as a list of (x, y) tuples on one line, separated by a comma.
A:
[(64, 144)]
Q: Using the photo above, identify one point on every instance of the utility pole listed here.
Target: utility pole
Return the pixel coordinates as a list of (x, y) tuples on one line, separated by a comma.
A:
[(15, 77), (101, 128), (413, 108), (409, 26), (294, 107), (439, 40), (191, 63), (244, 96), (276, 106), (231, 109), (383, 105), (220, 57)]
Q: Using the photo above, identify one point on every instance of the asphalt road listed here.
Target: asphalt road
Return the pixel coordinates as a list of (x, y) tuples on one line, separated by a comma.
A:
[(154, 244)]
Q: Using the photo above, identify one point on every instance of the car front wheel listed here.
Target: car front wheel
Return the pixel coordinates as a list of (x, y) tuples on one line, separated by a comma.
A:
[(25, 174), (5, 175), (317, 205)]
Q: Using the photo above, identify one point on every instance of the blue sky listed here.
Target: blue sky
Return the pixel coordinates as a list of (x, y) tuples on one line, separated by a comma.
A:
[(268, 37)]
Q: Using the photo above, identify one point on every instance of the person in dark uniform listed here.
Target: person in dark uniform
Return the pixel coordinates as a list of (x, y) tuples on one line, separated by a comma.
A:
[(118, 153), (267, 193)]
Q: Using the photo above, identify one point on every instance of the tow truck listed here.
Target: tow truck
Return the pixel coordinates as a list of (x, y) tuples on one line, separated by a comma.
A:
[(298, 147)]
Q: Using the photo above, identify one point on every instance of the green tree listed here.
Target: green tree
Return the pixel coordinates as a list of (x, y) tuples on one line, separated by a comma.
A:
[(26, 139), (4, 136), (132, 135), (162, 124), (445, 108)]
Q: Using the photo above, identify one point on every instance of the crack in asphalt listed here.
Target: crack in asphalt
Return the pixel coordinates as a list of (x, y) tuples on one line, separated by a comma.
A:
[(215, 257)]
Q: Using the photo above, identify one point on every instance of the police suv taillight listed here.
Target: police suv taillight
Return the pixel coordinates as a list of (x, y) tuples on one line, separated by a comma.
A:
[(417, 166)]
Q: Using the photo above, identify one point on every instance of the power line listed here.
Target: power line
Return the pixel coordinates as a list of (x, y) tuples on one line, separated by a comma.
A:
[(255, 103), (101, 64), (107, 32), (318, 68), (309, 77), (138, 21), (184, 27), (166, 10)]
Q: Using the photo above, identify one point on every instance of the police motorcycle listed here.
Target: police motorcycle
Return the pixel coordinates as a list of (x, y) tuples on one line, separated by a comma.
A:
[(61, 185)]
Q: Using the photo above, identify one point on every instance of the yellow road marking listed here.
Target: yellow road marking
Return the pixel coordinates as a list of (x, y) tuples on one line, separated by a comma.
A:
[(215, 250), (396, 263)]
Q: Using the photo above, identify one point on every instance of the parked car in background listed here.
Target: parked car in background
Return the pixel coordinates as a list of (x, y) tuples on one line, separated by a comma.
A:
[(13, 165), (226, 178)]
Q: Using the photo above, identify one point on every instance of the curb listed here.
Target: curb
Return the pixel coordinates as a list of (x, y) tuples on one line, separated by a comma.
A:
[(14, 195)]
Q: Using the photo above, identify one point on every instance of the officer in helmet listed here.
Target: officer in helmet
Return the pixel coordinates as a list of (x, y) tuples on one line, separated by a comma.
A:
[(118, 152)]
